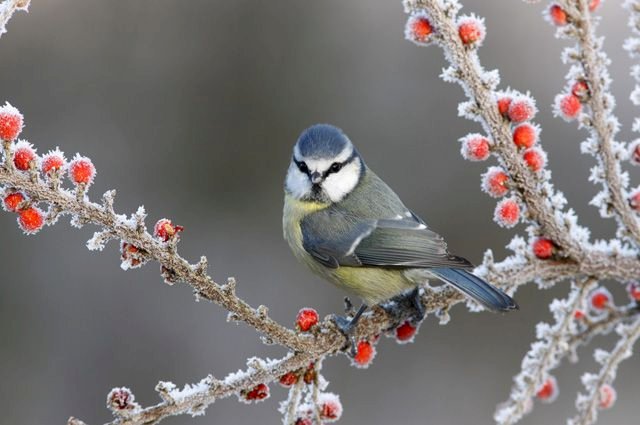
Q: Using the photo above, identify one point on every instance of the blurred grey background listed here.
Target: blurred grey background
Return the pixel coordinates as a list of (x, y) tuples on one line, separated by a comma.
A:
[(191, 108)]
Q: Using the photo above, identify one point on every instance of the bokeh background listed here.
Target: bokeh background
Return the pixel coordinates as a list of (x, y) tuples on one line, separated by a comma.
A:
[(191, 109)]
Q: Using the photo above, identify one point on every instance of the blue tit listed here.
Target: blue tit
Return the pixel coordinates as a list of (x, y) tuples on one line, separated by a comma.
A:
[(349, 227)]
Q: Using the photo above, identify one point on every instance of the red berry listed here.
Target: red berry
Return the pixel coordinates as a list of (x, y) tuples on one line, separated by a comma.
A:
[(535, 159), (418, 29), (593, 5), (558, 15), (634, 200), (81, 170), (548, 392), (164, 229), (633, 289), (580, 89), (306, 318), (257, 393), (53, 161), (525, 135), (507, 213), (121, 399), (330, 407), (634, 149), (303, 421), (599, 299), (503, 106), (568, 106), (31, 220), (608, 397), (365, 352), (11, 122), (405, 332), (475, 147), (288, 379), (131, 256), (578, 315), (471, 30), (12, 201), (23, 156), (543, 248), (521, 109), (494, 182)]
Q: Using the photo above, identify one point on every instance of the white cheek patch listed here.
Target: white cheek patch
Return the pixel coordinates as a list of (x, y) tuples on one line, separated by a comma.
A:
[(297, 183), (338, 185)]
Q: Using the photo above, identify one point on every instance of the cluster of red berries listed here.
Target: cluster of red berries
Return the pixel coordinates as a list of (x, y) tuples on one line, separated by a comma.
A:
[(559, 17), (258, 393), (52, 166), (420, 30), (569, 105)]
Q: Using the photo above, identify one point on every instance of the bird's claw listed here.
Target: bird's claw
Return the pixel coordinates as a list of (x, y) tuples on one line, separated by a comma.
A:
[(405, 307)]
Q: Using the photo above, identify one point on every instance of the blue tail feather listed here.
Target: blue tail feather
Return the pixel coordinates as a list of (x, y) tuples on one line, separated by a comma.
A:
[(471, 285)]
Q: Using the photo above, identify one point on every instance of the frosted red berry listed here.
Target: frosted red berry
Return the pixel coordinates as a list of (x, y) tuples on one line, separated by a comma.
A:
[(593, 5), (419, 29), (568, 106), (257, 393), (81, 170), (521, 109), (475, 147), (288, 379), (121, 399), (51, 162), (494, 182), (31, 220), (634, 200), (634, 152), (503, 106), (306, 318), (557, 15), (543, 248), (330, 407), (303, 421), (12, 201), (365, 352), (599, 299), (164, 229), (580, 89), (535, 159), (471, 30), (579, 314), (548, 392), (131, 256), (525, 135), (23, 156), (608, 397), (633, 289), (507, 213), (11, 122), (405, 332)]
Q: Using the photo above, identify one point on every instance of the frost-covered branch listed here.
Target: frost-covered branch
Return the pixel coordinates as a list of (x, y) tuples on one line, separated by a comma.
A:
[(601, 394), (8, 8)]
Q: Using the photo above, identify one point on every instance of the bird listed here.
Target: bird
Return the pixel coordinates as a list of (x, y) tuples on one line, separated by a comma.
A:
[(349, 227)]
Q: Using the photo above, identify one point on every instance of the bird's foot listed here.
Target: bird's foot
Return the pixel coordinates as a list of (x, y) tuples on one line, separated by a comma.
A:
[(406, 307), (347, 326)]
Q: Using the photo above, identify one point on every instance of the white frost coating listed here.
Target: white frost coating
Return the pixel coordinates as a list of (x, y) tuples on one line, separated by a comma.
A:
[(98, 240)]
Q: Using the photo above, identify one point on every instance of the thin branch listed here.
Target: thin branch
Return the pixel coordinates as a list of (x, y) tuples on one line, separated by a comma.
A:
[(8, 8), (588, 404)]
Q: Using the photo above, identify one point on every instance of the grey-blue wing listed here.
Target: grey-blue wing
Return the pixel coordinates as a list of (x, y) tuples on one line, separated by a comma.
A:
[(336, 240)]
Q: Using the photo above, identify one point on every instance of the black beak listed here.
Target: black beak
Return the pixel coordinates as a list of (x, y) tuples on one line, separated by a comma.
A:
[(315, 177)]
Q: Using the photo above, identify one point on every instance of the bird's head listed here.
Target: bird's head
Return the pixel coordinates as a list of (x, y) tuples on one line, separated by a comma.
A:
[(325, 166)]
